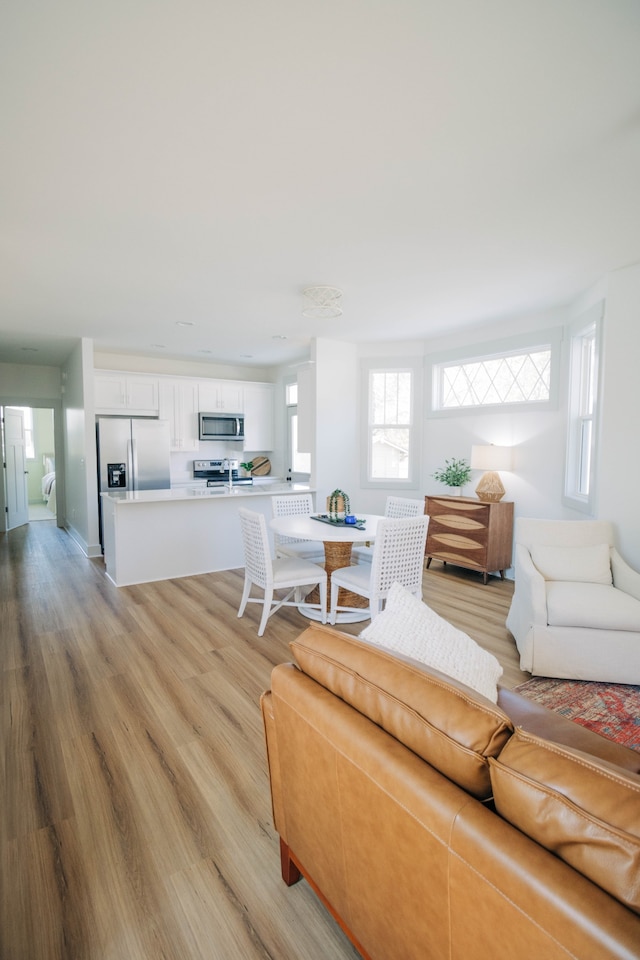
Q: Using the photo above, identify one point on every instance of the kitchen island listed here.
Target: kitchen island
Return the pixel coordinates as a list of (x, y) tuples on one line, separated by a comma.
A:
[(164, 534)]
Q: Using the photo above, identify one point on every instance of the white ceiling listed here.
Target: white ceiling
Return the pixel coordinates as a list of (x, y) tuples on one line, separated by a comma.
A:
[(441, 161)]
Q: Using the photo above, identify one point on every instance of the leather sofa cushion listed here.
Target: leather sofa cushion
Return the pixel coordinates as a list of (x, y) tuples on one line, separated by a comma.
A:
[(582, 809), (443, 721), (591, 605)]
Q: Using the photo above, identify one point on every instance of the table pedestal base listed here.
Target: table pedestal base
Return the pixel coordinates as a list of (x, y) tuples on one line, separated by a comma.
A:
[(337, 555)]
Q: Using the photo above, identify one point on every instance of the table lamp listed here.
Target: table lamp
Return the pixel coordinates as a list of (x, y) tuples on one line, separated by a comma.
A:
[(490, 458)]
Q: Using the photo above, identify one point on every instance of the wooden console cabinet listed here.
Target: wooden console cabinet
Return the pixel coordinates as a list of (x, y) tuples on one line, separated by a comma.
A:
[(470, 533)]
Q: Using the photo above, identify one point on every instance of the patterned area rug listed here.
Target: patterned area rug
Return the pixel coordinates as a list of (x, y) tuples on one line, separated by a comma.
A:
[(611, 709)]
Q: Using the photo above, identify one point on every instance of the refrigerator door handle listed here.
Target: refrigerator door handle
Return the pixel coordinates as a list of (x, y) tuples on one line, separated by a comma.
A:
[(132, 456)]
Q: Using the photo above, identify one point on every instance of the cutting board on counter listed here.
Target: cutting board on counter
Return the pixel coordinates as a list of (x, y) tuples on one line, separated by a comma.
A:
[(261, 467)]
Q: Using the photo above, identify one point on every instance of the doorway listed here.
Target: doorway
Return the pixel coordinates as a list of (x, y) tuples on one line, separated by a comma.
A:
[(39, 462)]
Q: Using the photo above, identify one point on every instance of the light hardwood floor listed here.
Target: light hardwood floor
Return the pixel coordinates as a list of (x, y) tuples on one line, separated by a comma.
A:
[(136, 818)]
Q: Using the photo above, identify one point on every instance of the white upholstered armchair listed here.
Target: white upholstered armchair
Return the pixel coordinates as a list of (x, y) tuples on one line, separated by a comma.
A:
[(575, 611)]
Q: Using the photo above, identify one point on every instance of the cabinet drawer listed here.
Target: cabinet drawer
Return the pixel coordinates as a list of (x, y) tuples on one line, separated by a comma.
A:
[(458, 512)]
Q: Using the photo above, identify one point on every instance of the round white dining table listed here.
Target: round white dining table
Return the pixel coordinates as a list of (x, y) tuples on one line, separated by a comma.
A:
[(338, 540)]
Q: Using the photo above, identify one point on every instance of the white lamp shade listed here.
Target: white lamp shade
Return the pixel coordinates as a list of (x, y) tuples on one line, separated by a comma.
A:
[(490, 457)]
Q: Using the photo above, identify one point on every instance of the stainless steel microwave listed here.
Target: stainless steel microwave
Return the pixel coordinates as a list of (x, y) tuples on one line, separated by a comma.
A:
[(221, 426)]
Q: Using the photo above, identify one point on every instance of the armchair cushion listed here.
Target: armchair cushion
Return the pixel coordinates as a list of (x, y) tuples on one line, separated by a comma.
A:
[(587, 564), (592, 605)]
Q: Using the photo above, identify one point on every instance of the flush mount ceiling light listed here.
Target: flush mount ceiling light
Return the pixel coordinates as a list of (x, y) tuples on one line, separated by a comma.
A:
[(323, 303)]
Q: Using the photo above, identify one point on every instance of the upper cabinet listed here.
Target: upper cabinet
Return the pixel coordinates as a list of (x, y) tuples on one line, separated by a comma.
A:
[(221, 396), (179, 405), (180, 399), (126, 393), (259, 427)]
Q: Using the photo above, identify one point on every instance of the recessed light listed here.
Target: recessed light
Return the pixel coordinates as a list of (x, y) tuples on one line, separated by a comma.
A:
[(246, 356), (279, 336), (205, 351), (185, 323), (159, 346), (29, 349)]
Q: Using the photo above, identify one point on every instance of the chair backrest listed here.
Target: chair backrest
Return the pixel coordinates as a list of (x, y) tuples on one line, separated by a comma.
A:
[(398, 507), (563, 533), (257, 555), (300, 504), (398, 555)]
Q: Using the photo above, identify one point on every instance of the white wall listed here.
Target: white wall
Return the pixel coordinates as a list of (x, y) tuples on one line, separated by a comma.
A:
[(335, 461), (619, 455), (81, 505), (28, 382), (539, 438)]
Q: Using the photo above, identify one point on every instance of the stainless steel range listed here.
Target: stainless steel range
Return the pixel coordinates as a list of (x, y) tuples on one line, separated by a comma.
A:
[(217, 473)]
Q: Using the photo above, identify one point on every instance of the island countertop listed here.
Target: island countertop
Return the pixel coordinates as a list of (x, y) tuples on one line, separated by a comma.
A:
[(181, 532), (192, 492)]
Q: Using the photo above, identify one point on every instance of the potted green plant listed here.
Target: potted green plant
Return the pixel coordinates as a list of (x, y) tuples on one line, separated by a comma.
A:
[(339, 505), (455, 474), (247, 467)]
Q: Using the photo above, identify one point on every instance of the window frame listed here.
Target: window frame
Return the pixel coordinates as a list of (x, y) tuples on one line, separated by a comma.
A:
[(291, 411), (414, 366), (587, 327), (509, 346)]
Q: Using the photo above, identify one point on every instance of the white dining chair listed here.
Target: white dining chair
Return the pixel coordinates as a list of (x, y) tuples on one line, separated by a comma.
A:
[(280, 574), (295, 505), (398, 557), (396, 508)]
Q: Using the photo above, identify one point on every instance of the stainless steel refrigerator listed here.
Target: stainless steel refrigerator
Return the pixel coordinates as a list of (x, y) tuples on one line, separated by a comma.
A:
[(133, 454)]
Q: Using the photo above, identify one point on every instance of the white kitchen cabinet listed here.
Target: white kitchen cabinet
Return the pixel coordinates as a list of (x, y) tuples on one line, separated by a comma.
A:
[(259, 417), (221, 396), (179, 405), (125, 393)]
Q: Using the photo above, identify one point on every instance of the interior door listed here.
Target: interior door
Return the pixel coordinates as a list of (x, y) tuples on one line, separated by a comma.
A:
[(17, 497)]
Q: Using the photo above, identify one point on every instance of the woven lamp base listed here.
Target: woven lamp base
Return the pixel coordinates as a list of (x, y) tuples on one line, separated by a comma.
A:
[(490, 487)]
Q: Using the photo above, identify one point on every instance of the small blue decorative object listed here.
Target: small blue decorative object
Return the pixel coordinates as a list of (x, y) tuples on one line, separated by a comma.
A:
[(350, 519)]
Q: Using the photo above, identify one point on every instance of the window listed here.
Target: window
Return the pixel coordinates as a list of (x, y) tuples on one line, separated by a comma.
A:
[(391, 436), (582, 414), (299, 462), (519, 371), (29, 448)]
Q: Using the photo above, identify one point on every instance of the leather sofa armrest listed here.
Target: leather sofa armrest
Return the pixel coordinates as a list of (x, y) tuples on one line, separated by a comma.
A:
[(536, 719), (273, 760)]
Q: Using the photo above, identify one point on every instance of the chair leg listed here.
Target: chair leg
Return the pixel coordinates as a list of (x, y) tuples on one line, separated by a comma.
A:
[(245, 595), (334, 601), (323, 599), (266, 610)]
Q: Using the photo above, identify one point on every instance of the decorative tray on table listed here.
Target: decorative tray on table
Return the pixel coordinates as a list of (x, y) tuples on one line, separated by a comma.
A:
[(335, 522)]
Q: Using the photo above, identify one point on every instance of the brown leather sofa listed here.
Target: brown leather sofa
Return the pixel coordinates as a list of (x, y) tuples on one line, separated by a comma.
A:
[(436, 824)]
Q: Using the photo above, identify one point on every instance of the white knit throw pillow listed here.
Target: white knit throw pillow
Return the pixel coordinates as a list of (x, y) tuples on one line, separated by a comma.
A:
[(409, 626)]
